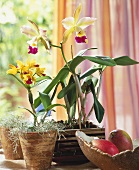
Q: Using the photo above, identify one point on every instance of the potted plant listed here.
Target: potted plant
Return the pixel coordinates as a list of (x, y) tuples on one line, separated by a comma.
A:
[(75, 85), (38, 133), (10, 140)]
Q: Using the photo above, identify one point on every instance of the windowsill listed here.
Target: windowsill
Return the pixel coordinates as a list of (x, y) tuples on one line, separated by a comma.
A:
[(20, 164)]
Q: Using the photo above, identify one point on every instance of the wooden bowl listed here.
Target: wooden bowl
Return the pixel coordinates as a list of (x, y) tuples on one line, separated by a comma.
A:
[(126, 160)]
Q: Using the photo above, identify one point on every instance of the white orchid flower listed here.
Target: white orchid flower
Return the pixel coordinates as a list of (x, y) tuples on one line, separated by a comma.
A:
[(35, 34), (74, 24)]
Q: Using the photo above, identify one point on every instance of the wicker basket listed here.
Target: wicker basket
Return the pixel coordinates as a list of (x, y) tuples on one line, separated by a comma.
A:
[(67, 149), (12, 150), (38, 149)]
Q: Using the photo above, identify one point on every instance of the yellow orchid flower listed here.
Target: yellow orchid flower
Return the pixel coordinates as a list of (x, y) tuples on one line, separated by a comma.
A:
[(74, 24), (20, 65), (37, 34), (29, 78), (13, 70), (40, 71), (31, 63)]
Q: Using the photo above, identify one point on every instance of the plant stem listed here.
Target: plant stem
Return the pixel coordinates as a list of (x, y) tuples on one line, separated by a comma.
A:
[(62, 52), (99, 86), (30, 96), (55, 46), (78, 86), (67, 103), (64, 55)]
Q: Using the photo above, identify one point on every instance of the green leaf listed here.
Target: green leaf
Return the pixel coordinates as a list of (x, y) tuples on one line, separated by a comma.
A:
[(69, 91), (72, 96), (30, 97), (95, 80), (125, 61), (60, 76), (96, 59), (45, 99), (37, 102), (65, 90), (75, 62), (73, 111), (90, 71), (28, 110), (98, 108), (54, 105), (103, 60), (81, 52), (55, 90), (87, 82), (43, 78)]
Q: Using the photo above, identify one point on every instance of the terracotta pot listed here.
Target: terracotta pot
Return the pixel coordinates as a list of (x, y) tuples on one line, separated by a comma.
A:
[(9, 146), (38, 149)]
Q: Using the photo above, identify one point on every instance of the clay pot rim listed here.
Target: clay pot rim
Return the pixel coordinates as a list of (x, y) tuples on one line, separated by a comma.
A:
[(26, 132)]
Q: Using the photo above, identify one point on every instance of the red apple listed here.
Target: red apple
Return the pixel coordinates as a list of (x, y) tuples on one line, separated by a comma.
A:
[(105, 146), (121, 139)]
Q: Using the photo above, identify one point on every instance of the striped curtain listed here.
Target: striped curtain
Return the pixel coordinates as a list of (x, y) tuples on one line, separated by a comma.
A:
[(115, 34)]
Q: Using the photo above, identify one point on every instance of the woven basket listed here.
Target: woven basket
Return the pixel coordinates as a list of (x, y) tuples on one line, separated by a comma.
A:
[(12, 150), (38, 149), (67, 149)]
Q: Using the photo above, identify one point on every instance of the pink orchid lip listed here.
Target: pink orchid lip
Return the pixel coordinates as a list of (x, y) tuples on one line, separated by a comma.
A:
[(81, 39), (29, 81), (32, 50)]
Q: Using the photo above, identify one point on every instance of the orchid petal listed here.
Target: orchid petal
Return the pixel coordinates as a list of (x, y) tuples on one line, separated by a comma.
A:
[(33, 42), (67, 33), (42, 33), (80, 33), (40, 71), (13, 70), (68, 22), (45, 43), (78, 29), (35, 25), (28, 31), (82, 39), (31, 63), (77, 13), (85, 22), (32, 50), (19, 64)]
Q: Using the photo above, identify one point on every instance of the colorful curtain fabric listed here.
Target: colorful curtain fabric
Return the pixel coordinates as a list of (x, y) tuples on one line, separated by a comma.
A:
[(115, 34)]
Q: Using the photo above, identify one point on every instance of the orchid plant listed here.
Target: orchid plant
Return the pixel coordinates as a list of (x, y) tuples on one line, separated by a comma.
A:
[(76, 88), (30, 74)]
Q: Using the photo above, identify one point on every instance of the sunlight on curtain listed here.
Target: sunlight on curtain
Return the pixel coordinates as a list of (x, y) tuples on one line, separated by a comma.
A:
[(125, 41), (63, 9), (116, 33)]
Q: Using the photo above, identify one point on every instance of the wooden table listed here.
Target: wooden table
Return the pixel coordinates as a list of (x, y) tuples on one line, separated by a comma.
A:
[(20, 165)]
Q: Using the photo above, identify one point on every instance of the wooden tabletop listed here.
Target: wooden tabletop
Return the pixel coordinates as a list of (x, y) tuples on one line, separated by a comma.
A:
[(20, 165)]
